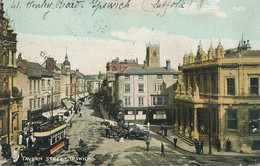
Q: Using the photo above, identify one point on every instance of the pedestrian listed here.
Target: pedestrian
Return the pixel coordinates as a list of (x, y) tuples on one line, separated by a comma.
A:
[(106, 130), (24, 142), (15, 156), (162, 128), (201, 146), (4, 150), (218, 145), (147, 144), (20, 159), (162, 150), (81, 143), (175, 141), (67, 143), (80, 113), (165, 131), (30, 142), (8, 151), (228, 145), (197, 147), (20, 139)]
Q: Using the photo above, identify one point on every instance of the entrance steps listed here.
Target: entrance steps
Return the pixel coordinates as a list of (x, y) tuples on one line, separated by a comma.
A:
[(184, 138)]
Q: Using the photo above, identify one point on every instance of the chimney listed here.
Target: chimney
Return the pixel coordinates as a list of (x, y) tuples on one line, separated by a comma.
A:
[(50, 64), (168, 64)]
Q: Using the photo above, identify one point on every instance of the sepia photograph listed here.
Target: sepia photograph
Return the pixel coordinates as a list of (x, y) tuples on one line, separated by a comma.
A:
[(130, 82)]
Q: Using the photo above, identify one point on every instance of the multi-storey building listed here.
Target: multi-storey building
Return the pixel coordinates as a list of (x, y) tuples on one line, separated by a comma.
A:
[(36, 85), (10, 97), (147, 92), (80, 85), (113, 67), (218, 96), (50, 65)]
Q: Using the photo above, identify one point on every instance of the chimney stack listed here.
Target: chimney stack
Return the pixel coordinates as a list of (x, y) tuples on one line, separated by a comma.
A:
[(168, 64)]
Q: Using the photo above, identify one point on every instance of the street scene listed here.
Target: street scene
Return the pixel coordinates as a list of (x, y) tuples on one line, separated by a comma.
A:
[(129, 82)]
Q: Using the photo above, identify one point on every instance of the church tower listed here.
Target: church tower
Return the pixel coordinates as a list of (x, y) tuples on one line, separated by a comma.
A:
[(66, 65), (152, 56)]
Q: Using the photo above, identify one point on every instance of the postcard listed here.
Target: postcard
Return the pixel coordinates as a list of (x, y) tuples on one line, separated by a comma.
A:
[(129, 82)]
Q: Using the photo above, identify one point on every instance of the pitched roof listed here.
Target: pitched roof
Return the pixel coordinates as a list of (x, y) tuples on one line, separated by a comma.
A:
[(35, 69), (148, 71)]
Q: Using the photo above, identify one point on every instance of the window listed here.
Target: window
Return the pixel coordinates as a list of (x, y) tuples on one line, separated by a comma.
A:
[(158, 88), (230, 86), (159, 100), (127, 88), (175, 77), (43, 87), (30, 104), (141, 88), (254, 119), (39, 102), (34, 104), (49, 84), (254, 86), (42, 101), (127, 101), (205, 83), (30, 86), (231, 119), (38, 86), (140, 77), (127, 77), (34, 86), (140, 101), (159, 77)]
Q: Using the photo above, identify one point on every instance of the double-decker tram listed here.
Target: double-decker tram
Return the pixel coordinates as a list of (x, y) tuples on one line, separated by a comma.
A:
[(50, 137)]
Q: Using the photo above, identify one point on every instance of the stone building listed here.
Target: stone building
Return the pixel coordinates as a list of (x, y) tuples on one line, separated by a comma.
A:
[(147, 92), (10, 97), (218, 96)]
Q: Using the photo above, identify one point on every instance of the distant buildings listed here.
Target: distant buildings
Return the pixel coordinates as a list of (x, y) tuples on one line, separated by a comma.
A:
[(146, 91), (10, 96), (218, 96)]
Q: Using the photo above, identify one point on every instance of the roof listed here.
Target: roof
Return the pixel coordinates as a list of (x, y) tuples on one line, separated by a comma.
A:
[(148, 71), (35, 69), (248, 53)]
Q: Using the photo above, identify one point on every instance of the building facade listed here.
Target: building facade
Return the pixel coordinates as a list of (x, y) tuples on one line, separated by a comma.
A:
[(147, 92), (10, 96), (37, 86), (217, 96)]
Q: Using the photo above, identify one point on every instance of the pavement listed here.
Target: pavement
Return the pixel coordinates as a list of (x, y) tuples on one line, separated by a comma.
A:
[(184, 146)]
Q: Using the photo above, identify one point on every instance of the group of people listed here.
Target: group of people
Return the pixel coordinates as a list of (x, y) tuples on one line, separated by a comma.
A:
[(164, 130)]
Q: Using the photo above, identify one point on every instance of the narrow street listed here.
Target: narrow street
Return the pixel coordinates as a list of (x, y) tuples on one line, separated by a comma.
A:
[(108, 151)]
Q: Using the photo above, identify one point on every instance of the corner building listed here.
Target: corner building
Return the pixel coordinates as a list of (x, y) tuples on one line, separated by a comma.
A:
[(10, 96), (217, 96)]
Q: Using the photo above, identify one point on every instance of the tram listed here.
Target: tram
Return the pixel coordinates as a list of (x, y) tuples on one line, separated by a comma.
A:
[(50, 137)]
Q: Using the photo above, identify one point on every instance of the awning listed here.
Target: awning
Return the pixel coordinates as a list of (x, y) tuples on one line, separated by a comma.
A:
[(68, 103), (55, 112)]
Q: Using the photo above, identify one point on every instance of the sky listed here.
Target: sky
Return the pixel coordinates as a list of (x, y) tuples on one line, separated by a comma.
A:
[(95, 32)]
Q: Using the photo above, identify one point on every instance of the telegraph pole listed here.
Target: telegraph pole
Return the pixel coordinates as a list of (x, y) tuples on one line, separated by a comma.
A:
[(51, 101)]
